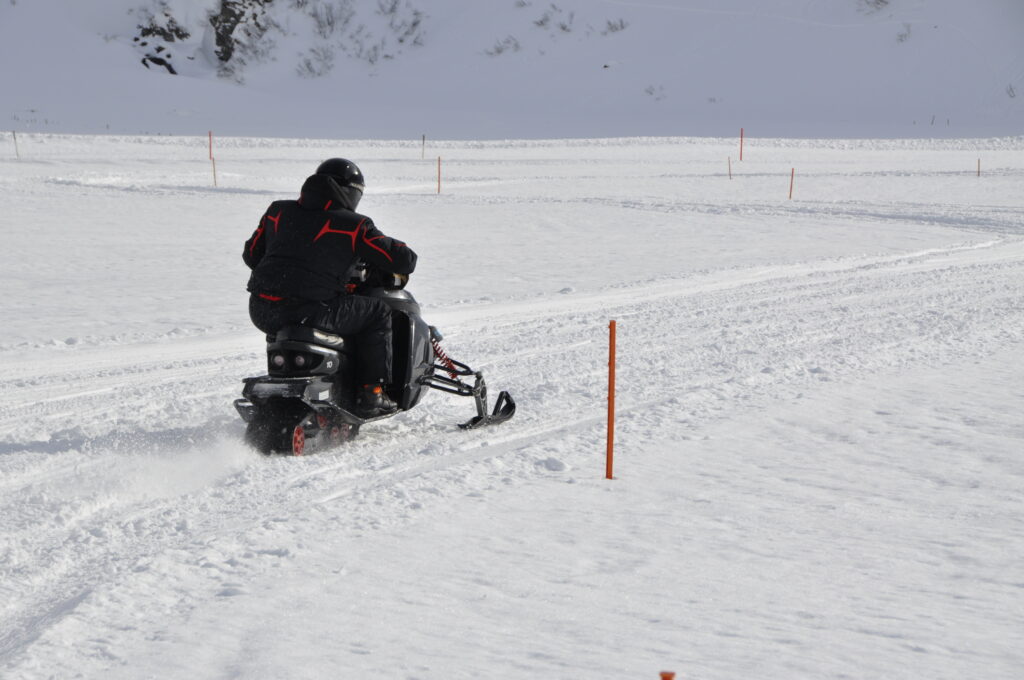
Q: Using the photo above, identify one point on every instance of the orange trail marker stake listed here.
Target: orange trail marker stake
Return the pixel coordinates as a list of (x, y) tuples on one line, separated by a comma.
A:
[(611, 400), (792, 175), (741, 143), (668, 675)]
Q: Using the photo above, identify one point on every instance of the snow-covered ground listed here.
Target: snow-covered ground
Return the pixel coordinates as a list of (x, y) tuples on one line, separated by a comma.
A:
[(819, 431)]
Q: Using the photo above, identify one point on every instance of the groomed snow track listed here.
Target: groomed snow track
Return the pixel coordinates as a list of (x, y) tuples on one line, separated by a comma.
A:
[(134, 517), (89, 508)]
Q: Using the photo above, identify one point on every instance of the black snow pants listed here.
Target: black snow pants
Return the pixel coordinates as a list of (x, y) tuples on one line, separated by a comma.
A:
[(364, 320)]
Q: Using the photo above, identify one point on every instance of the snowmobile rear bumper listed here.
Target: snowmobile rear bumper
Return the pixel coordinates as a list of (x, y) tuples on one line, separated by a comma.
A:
[(294, 415), (312, 391)]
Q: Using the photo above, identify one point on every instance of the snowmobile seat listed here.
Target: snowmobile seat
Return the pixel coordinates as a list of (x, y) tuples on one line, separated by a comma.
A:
[(311, 335)]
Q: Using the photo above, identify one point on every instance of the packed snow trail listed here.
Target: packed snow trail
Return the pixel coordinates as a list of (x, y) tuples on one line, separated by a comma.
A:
[(816, 459), (95, 513)]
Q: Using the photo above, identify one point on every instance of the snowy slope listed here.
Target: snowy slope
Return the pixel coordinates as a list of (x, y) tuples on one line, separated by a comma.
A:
[(465, 69), (819, 430)]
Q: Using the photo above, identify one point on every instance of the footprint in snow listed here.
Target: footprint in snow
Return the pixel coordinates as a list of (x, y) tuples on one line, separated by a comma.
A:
[(552, 464)]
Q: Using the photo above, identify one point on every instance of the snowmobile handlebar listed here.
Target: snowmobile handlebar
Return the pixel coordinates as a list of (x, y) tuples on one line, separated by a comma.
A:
[(364, 275)]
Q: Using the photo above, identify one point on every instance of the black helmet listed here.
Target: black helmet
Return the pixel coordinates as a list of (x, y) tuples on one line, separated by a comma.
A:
[(348, 177)]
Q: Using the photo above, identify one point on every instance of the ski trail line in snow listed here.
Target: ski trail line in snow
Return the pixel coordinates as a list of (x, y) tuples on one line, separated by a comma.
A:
[(718, 281), (390, 476), (694, 350)]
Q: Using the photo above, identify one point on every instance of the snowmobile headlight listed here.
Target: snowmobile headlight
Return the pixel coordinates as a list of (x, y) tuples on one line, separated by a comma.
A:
[(300, 360), (277, 360)]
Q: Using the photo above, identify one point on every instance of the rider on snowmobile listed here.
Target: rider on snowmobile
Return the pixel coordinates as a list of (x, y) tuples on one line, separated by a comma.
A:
[(301, 256)]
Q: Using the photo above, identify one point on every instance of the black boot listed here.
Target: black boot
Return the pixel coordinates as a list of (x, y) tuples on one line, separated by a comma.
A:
[(373, 402)]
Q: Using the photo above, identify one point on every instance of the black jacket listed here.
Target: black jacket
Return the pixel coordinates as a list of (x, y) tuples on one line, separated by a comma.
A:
[(304, 249)]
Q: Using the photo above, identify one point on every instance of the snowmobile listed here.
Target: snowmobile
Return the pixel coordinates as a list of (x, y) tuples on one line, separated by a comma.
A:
[(307, 400)]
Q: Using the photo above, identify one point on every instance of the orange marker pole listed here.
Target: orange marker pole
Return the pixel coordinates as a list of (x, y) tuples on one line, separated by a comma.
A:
[(792, 175), (611, 400), (979, 167), (211, 145), (730, 167), (438, 174), (668, 675), (741, 143)]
